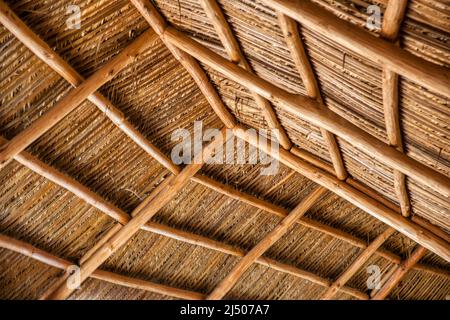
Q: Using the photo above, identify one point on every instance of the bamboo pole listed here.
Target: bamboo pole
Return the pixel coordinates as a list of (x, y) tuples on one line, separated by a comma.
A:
[(312, 111), (158, 24), (392, 19), (59, 263), (41, 49), (295, 44), (378, 50), (158, 198), (357, 264), (399, 273), (238, 270), (75, 97), (362, 201), (231, 45)]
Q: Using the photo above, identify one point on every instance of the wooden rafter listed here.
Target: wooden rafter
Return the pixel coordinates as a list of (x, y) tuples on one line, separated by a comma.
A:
[(380, 51), (392, 19), (362, 201), (238, 270), (301, 60), (59, 263), (399, 273), (43, 51), (75, 97), (312, 111), (357, 264), (231, 45), (158, 24)]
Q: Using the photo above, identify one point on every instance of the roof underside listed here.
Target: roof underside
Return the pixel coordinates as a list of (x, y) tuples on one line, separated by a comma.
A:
[(158, 95)]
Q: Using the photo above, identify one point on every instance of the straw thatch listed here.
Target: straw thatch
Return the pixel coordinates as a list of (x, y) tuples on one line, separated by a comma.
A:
[(195, 240)]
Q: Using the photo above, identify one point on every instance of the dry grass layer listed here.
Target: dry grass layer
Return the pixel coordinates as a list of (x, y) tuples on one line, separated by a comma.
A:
[(157, 95)]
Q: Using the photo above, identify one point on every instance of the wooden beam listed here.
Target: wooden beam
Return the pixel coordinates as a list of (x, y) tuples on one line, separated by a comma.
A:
[(25, 35), (391, 25), (158, 23), (231, 45), (158, 198), (359, 199), (380, 51), (400, 273), (357, 264), (311, 110), (301, 60), (59, 263), (75, 97), (392, 19), (238, 270)]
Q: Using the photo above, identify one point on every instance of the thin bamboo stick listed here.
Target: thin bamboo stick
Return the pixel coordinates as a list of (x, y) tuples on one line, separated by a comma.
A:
[(311, 110), (75, 97), (59, 263), (357, 264), (158, 24), (159, 197), (362, 201), (25, 35), (231, 45), (301, 60), (399, 273), (238, 270), (392, 19), (378, 50)]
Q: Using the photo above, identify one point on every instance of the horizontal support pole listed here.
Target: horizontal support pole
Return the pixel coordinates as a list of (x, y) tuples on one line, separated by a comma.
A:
[(59, 263)]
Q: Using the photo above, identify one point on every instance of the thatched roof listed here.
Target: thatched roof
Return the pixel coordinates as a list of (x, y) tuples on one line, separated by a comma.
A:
[(354, 190)]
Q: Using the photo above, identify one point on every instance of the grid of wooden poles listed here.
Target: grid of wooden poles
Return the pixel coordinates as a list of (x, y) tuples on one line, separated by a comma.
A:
[(334, 178)]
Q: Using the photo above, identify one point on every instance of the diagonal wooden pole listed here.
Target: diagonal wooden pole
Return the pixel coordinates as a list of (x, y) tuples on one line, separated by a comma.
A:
[(301, 60), (158, 198), (75, 97), (311, 110), (378, 50), (238, 270), (43, 51), (362, 201), (49, 259), (231, 45), (399, 273), (158, 24), (357, 264), (392, 19)]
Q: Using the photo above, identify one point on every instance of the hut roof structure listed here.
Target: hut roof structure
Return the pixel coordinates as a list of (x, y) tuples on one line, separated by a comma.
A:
[(350, 96)]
